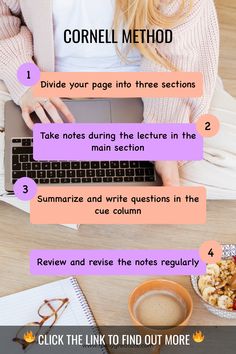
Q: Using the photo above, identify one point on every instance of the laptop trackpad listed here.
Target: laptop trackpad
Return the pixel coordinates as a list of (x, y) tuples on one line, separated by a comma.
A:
[(90, 111)]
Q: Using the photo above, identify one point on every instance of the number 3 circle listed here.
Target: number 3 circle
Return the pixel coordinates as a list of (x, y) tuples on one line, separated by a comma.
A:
[(25, 189)]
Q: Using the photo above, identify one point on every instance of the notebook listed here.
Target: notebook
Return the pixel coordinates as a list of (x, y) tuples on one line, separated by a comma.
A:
[(21, 308)]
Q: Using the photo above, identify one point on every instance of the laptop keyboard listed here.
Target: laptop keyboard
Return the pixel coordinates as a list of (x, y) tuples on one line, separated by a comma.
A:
[(75, 172)]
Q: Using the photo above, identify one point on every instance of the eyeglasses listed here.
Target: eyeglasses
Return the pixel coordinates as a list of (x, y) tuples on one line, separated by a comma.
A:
[(49, 312)]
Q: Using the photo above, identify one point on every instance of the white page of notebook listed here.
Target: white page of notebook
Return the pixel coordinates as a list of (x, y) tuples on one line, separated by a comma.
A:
[(21, 308)]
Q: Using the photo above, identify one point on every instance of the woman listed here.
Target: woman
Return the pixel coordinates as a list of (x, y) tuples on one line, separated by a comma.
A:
[(195, 47)]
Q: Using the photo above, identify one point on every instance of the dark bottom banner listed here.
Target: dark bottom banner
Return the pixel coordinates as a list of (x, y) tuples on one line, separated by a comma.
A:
[(117, 340)]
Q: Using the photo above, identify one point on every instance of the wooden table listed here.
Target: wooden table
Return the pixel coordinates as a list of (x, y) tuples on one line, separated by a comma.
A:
[(18, 237)]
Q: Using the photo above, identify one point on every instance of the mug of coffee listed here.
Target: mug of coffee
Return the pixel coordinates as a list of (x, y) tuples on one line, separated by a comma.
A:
[(160, 307)]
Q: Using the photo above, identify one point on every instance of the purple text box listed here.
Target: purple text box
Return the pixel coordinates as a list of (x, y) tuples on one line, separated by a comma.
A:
[(58, 262), (80, 147)]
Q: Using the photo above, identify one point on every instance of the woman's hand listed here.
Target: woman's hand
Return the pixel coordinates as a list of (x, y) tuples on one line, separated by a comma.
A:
[(168, 170), (39, 105)]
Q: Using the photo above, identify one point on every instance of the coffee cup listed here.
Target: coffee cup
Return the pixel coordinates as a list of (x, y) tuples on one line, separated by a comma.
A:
[(160, 307)]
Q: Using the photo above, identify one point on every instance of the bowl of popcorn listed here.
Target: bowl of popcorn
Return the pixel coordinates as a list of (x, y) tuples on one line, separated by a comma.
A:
[(217, 288)]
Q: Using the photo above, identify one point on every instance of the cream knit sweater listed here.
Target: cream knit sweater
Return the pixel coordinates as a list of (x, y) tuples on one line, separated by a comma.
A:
[(195, 48)]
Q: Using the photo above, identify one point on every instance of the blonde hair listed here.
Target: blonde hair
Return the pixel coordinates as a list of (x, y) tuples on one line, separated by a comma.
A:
[(144, 14)]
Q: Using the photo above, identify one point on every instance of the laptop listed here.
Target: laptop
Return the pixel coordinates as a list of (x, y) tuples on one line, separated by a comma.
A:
[(19, 160)]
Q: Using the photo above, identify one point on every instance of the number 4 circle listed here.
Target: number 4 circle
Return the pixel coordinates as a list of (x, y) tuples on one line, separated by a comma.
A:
[(210, 252)]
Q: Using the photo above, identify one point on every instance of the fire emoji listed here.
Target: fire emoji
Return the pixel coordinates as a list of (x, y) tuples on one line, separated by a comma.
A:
[(29, 337), (198, 337)]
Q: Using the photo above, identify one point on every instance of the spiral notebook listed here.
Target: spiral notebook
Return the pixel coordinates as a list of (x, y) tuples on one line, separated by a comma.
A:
[(21, 308)]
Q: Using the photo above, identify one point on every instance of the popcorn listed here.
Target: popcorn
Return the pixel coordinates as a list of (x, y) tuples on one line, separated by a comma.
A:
[(214, 285)]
